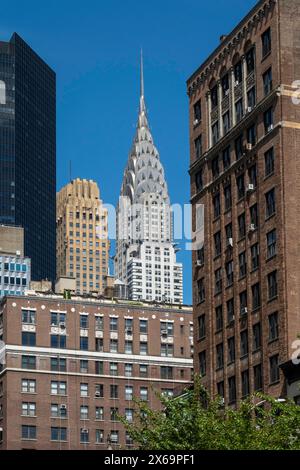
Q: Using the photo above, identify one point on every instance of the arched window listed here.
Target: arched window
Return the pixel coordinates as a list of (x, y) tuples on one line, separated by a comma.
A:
[(2, 92)]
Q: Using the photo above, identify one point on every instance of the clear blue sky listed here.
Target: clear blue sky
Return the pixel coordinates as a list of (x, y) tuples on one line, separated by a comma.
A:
[(94, 47)]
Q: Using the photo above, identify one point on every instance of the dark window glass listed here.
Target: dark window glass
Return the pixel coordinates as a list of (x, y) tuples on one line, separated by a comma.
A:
[(268, 81), (255, 257), (197, 112), (231, 350), (198, 147), (255, 296), (215, 133), (242, 226), (245, 384), (256, 337), (238, 72), (266, 42), (217, 205), (226, 158), (274, 369), (226, 123), (28, 432), (230, 311), (229, 273), (232, 389), (202, 363), (269, 162), (243, 303), (215, 167), (272, 285), (201, 290), (244, 343), (268, 120), (239, 149), (243, 264), (225, 85), (273, 327), (251, 96), (219, 318), (258, 382), (254, 216), (202, 326), (271, 244), (227, 197), (28, 339), (220, 356), (239, 110), (218, 243), (252, 173), (240, 182), (250, 60), (199, 180), (251, 135), (270, 203), (58, 364), (218, 281), (214, 97), (29, 362)]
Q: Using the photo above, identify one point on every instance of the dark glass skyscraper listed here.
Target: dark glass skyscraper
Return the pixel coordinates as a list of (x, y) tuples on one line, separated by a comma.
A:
[(28, 152)]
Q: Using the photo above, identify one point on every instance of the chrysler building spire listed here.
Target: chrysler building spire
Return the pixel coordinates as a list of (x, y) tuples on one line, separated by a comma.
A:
[(144, 221)]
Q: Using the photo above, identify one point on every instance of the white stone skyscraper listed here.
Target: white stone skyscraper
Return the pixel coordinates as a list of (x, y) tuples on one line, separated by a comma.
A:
[(145, 251)]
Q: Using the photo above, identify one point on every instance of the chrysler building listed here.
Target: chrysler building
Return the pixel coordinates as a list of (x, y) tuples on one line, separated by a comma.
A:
[(145, 258)]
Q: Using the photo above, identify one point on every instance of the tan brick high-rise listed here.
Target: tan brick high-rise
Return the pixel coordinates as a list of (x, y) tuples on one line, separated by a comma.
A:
[(82, 236), (245, 169)]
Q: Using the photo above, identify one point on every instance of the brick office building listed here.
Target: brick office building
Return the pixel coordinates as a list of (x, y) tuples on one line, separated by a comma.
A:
[(245, 170), (73, 365)]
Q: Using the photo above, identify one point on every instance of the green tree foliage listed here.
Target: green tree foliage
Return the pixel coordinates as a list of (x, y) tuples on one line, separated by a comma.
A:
[(194, 422)]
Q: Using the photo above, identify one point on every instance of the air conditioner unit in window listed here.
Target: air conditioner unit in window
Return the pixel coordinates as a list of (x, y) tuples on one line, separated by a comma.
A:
[(63, 407), (244, 310), (250, 188), (85, 431), (227, 92), (252, 228), (249, 109), (164, 333), (62, 325), (249, 147), (97, 394), (230, 242), (196, 122), (129, 331), (199, 263), (270, 127)]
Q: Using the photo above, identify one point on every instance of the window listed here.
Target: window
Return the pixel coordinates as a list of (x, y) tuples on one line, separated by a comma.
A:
[(232, 389), (28, 409), (99, 323), (113, 368), (217, 205), (269, 162), (221, 389), (113, 346), (270, 203), (255, 296), (273, 327), (229, 273), (215, 133), (231, 350), (202, 327), (143, 348), (226, 158), (29, 362), (243, 303), (84, 436), (272, 285), (240, 182), (239, 110), (58, 388), (58, 364), (128, 347), (58, 318), (166, 373), (84, 322), (201, 290), (242, 226), (218, 244), (143, 327), (227, 197), (114, 324), (255, 257), (268, 120), (28, 339), (243, 264), (84, 343), (256, 337), (197, 112), (238, 72), (215, 167), (114, 414), (58, 341), (258, 382), (228, 230), (99, 344), (214, 96), (99, 368), (143, 370), (99, 436), (114, 391), (230, 311), (84, 367), (114, 437), (271, 244), (84, 390), (29, 317), (128, 392), (218, 281), (245, 384), (28, 386), (274, 369), (252, 174), (239, 149), (268, 81), (28, 432), (167, 350), (99, 413), (250, 60), (202, 363), (84, 412), (254, 215), (251, 97), (220, 356), (199, 180), (144, 393), (129, 415), (226, 123), (128, 370), (198, 147), (225, 85), (58, 411), (266, 42), (244, 343)]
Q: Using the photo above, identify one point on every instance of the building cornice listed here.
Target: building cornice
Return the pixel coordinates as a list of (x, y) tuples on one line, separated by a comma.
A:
[(256, 15)]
